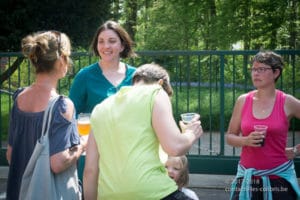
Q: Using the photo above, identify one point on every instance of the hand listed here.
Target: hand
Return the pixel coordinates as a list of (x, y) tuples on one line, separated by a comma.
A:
[(82, 146), (184, 126), (254, 139), (292, 152), (199, 131), (194, 127), (83, 141), (289, 152)]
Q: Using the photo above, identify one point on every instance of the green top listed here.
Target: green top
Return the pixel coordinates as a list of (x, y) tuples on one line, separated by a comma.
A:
[(130, 167), (90, 87)]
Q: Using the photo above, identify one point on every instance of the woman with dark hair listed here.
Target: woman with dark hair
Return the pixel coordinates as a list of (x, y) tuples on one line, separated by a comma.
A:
[(94, 83), (266, 169)]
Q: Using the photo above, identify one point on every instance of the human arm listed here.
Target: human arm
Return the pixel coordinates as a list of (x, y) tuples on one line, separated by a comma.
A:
[(91, 169), (8, 153), (233, 136), (292, 107), (172, 141), (10, 132), (62, 160)]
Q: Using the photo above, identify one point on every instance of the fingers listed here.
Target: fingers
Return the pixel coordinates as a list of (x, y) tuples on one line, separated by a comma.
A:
[(198, 131), (255, 139), (181, 124), (289, 152), (297, 148), (196, 117), (194, 126)]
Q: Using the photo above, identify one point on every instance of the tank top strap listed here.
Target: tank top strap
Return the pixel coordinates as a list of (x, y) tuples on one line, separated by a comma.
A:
[(279, 103), (17, 92), (248, 103)]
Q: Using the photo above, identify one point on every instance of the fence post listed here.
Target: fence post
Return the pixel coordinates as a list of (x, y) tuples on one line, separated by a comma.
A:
[(222, 104)]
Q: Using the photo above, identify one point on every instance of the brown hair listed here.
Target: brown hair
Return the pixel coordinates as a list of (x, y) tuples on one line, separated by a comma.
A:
[(270, 58), (123, 35), (151, 73), (44, 48)]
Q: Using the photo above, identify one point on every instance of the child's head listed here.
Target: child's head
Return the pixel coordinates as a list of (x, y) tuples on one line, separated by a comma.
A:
[(178, 170)]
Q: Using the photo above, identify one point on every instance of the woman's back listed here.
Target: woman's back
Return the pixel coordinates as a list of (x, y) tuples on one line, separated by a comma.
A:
[(126, 136), (24, 133)]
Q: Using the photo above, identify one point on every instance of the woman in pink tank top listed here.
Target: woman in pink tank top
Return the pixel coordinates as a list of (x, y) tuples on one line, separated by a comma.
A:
[(264, 157)]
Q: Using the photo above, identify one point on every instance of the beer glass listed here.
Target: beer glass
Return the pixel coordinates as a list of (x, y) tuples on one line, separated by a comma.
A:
[(83, 123)]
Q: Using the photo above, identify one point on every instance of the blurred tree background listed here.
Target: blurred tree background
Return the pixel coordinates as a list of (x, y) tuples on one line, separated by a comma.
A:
[(159, 24), (156, 24), (217, 24)]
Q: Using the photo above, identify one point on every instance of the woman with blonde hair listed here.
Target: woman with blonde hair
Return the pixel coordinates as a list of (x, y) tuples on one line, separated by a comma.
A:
[(49, 53)]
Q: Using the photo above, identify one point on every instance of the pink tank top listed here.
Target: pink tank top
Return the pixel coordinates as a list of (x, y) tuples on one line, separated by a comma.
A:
[(272, 154)]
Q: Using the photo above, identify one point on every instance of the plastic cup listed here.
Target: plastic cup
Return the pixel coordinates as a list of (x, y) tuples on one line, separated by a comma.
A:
[(263, 130), (83, 123), (187, 117)]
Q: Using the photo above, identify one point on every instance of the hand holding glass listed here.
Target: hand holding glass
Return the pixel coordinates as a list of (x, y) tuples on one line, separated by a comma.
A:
[(263, 130), (83, 124)]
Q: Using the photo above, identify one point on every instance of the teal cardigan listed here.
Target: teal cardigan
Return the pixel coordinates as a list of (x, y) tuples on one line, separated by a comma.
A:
[(90, 87)]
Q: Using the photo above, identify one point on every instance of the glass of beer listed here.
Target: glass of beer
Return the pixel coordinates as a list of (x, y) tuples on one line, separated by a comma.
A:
[(83, 123)]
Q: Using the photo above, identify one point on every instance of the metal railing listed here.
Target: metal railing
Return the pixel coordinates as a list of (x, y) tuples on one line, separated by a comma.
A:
[(207, 82)]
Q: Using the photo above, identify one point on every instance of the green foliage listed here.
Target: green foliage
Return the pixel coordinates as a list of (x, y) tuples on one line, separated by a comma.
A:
[(5, 109), (217, 25), (288, 75), (170, 25), (159, 24)]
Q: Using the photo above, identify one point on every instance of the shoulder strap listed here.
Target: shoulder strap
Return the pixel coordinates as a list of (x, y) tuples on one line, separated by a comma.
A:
[(17, 92), (48, 115)]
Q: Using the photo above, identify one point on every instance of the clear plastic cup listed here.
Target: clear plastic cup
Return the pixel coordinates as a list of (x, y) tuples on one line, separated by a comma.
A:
[(263, 130), (187, 117)]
